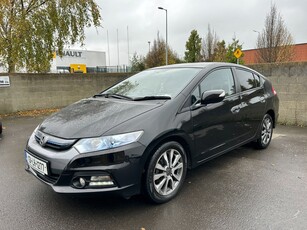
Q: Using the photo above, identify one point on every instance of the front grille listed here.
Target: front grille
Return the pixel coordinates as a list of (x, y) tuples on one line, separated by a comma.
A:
[(101, 160), (52, 179), (53, 142)]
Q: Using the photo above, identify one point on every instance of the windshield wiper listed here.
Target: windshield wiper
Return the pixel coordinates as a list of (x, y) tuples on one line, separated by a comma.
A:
[(114, 95), (152, 98)]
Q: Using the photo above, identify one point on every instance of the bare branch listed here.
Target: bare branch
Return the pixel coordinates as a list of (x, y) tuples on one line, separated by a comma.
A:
[(275, 42), (209, 45)]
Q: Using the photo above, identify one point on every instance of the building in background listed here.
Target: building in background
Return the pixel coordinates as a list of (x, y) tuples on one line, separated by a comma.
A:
[(76, 60), (299, 54), (79, 61)]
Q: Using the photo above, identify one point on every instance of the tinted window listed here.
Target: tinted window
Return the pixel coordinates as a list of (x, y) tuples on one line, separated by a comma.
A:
[(195, 96), (246, 79), (219, 79), (257, 80)]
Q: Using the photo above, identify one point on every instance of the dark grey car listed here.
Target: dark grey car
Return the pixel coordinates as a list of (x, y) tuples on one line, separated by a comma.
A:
[(146, 131)]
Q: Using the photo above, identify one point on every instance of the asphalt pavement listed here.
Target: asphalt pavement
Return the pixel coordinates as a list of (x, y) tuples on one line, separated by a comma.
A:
[(243, 189)]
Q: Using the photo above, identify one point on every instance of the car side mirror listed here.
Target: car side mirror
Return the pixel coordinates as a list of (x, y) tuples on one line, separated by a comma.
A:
[(212, 96)]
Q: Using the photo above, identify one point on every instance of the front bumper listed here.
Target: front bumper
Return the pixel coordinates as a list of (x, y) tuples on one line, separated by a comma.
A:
[(122, 165)]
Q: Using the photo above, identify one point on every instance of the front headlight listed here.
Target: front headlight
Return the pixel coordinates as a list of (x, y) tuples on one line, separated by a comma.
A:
[(107, 142)]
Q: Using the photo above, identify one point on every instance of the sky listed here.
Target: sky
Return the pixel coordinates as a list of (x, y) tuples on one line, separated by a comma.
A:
[(227, 18)]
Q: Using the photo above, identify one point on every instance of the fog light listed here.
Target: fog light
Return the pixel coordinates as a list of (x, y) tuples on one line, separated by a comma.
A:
[(79, 182), (82, 182), (101, 181)]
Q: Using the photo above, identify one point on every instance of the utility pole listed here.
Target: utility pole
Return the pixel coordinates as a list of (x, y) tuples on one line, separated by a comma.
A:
[(108, 47), (117, 49), (166, 47), (128, 46)]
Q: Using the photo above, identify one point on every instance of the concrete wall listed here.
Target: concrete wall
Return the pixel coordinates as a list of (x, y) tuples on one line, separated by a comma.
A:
[(41, 91), (290, 82), (33, 91)]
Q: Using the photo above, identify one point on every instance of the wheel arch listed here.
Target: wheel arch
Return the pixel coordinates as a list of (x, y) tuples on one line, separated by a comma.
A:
[(177, 136), (272, 114)]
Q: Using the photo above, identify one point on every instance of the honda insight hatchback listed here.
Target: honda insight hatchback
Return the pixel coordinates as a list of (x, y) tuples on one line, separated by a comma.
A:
[(143, 133)]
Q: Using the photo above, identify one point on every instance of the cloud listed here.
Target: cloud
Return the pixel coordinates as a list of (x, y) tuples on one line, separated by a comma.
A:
[(227, 18)]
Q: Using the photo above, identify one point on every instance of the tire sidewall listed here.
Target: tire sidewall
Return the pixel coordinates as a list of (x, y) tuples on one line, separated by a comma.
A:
[(150, 189), (260, 143)]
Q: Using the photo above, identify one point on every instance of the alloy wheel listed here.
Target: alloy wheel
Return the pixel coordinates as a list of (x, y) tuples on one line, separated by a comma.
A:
[(168, 172), (266, 132)]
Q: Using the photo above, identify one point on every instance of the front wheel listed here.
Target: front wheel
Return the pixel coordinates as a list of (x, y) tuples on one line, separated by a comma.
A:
[(166, 172), (266, 132)]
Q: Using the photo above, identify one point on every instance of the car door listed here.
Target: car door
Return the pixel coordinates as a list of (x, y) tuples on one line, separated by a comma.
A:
[(252, 101), (216, 127)]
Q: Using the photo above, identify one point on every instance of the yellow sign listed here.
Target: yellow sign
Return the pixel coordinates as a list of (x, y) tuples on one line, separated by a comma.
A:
[(238, 53), (54, 55)]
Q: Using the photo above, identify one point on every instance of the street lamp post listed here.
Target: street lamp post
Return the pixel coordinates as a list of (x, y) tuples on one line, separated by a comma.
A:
[(256, 31), (148, 46), (166, 49)]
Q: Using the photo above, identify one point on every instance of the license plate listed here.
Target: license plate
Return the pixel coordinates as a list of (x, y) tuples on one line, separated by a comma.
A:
[(37, 164)]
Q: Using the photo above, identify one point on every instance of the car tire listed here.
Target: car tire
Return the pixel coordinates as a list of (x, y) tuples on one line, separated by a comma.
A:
[(266, 132), (166, 172)]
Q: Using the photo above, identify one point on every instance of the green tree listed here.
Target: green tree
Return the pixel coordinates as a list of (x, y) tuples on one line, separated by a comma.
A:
[(31, 30), (137, 63), (220, 52), (156, 56), (193, 47), (231, 48)]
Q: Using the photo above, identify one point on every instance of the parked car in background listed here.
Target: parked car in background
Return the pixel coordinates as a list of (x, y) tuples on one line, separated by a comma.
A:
[(143, 133)]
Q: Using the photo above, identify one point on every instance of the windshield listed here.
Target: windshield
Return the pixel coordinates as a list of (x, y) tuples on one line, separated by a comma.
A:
[(156, 82)]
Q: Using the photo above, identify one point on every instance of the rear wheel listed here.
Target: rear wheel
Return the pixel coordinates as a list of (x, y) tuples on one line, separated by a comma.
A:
[(266, 132), (166, 172)]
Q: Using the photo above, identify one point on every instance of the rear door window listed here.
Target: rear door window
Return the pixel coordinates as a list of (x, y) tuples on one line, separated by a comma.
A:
[(246, 79)]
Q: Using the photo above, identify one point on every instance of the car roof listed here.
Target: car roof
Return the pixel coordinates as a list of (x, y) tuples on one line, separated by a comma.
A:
[(201, 65), (206, 65)]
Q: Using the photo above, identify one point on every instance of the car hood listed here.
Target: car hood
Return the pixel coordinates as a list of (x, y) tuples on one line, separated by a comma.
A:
[(93, 117)]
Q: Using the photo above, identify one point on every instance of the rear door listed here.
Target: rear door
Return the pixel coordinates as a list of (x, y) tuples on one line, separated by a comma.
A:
[(252, 101), (216, 126)]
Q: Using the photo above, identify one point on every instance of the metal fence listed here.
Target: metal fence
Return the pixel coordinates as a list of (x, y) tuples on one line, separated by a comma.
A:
[(99, 69)]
